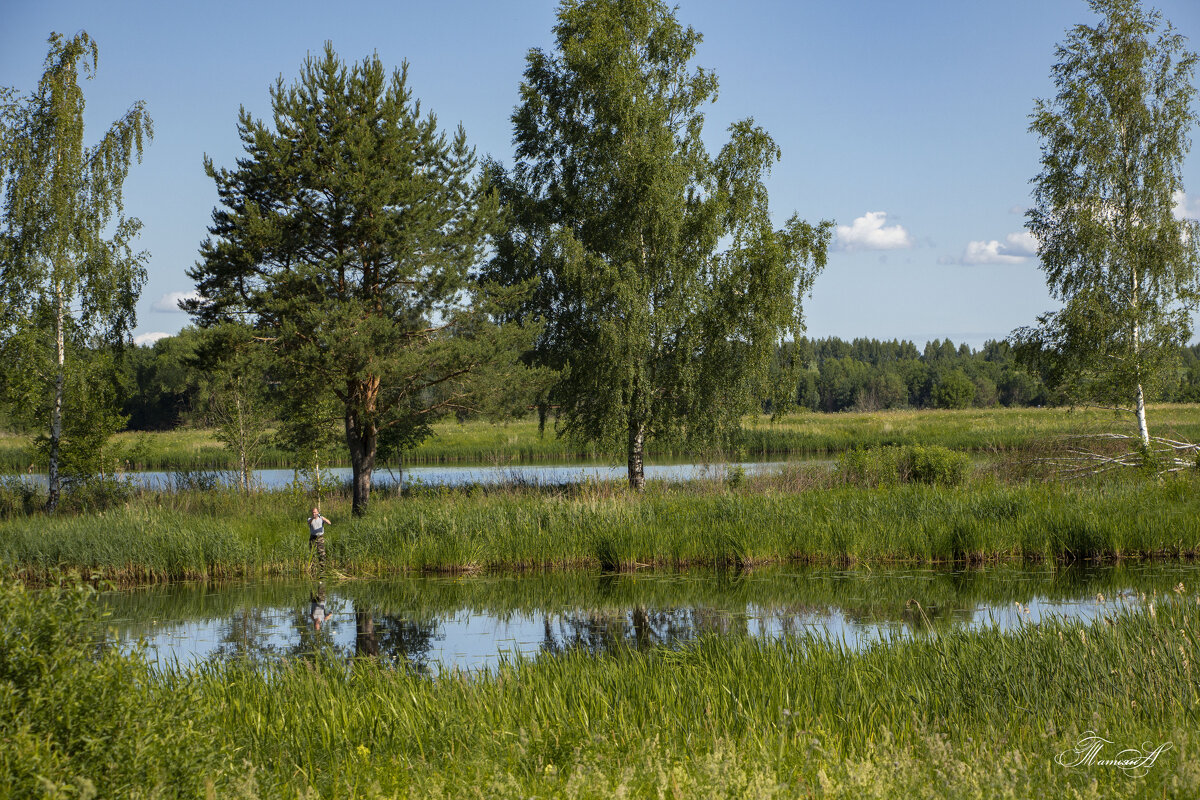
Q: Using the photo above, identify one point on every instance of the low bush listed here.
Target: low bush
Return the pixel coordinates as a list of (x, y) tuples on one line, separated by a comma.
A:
[(933, 465)]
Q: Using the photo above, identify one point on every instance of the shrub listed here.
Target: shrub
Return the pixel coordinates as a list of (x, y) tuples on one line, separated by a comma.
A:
[(934, 465), (18, 496), (878, 466), (888, 466)]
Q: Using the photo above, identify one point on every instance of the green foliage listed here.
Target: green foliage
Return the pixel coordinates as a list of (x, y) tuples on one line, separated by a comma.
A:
[(69, 277), (1114, 138), (160, 383), (347, 236), (934, 465), (81, 719), (209, 535), (235, 395), (891, 466), (953, 389), (18, 496), (663, 284), (870, 467), (730, 716)]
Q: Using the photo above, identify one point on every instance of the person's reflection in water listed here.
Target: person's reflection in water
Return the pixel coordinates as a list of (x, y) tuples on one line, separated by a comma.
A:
[(316, 611)]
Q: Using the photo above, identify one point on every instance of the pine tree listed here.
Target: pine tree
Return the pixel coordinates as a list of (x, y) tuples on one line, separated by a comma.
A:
[(347, 235)]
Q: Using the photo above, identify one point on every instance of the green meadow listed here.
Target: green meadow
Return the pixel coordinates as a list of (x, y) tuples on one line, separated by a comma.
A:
[(988, 430), (950, 713)]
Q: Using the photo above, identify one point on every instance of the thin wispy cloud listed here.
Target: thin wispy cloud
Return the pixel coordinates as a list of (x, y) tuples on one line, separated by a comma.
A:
[(871, 232)]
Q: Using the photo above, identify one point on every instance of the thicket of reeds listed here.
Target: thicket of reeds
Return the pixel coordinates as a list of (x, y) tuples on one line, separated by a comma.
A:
[(957, 714), (170, 536)]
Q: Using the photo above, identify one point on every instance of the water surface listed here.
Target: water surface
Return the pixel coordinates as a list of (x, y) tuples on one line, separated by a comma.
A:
[(432, 623), (446, 475)]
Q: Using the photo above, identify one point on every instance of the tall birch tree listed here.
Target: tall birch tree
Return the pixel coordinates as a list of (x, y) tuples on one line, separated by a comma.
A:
[(663, 284), (1114, 138), (68, 270)]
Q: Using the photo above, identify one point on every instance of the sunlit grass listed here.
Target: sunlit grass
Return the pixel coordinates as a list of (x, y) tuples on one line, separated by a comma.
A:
[(960, 714), (481, 442), (222, 534)]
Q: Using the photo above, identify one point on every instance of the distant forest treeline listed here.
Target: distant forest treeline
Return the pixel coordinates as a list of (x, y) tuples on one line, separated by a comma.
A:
[(871, 375), (161, 385)]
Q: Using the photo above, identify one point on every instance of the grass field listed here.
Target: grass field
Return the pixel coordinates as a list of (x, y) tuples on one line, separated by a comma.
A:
[(961, 714), (976, 430), (774, 518)]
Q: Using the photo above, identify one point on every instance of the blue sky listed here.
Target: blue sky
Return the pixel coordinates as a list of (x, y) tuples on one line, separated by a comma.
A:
[(904, 122)]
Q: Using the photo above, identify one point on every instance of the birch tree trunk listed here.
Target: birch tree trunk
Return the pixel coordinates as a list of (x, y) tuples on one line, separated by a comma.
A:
[(637, 442), (54, 488)]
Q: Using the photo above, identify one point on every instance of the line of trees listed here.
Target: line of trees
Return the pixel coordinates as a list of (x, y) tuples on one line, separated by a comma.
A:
[(366, 274), (172, 383)]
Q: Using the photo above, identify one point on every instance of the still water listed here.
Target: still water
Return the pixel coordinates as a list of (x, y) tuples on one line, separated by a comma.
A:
[(442, 475), (434, 623)]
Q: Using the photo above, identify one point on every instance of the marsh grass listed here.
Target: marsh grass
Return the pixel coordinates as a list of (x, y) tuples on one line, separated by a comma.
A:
[(961, 714), (210, 535), (993, 430)]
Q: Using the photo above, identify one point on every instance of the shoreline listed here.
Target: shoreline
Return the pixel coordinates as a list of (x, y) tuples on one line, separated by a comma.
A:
[(198, 536)]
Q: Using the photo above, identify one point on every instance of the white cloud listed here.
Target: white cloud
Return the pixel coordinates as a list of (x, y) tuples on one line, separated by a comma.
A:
[(169, 302), (1185, 207), (149, 338), (871, 232), (1021, 243), (1015, 249)]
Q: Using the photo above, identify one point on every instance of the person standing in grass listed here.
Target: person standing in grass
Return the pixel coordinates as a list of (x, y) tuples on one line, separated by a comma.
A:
[(316, 536)]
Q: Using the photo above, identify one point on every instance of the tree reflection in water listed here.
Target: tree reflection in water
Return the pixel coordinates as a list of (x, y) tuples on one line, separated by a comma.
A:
[(600, 631), (396, 640), (406, 622)]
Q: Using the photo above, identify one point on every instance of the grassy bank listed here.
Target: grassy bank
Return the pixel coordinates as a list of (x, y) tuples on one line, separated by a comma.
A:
[(808, 434), (221, 535), (962, 714)]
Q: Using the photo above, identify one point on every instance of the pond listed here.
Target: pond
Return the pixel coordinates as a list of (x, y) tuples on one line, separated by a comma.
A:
[(442, 475), (433, 623)]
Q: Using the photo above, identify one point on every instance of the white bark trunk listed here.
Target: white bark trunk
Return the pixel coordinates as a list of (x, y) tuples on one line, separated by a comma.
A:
[(1143, 430), (56, 413), (1140, 412)]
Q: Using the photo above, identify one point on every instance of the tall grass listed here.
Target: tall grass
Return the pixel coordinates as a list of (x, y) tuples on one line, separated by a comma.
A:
[(961, 714), (169, 537), (802, 434)]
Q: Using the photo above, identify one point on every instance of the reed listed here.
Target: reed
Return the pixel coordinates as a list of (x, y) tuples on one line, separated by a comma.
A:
[(158, 537), (959, 714)]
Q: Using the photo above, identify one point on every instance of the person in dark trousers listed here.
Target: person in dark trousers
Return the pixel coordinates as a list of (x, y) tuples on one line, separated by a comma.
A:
[(316, 537)]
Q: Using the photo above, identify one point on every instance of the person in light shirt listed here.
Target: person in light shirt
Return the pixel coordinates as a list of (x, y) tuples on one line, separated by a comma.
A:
[(316, 536)]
